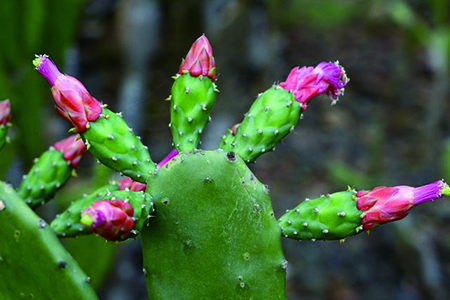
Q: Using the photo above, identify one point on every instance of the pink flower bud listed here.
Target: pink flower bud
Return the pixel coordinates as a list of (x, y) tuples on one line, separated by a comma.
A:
[(128, 183), (110, 219), (73, 149), (166, 159), (5, 110), (387, 204), (199, 60), (234, 128), (73, 101), (308, 82)]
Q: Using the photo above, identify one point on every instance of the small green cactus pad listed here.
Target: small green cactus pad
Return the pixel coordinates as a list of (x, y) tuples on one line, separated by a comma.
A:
[(115, 145), (3, 135), (48, 174), (270, 119), (330, 217), (191, 103), (214, 223), (68, 223), (33, 263)]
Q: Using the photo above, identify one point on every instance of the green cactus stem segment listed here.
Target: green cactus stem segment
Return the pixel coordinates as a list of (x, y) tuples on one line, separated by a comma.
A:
[(213, 223), (270, 119), (68, 224), (191, 103), (72, 222), (49, 173), (115, 145), (330, 217), (33, 263)]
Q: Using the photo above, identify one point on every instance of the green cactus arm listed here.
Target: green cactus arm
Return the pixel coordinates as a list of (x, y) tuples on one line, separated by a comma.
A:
[(191, 103), (329, 217), (115, 145), (270, 119), (48, 174), (4, 135), (343, 214), (68, 224), (33, 262), (214, 232)]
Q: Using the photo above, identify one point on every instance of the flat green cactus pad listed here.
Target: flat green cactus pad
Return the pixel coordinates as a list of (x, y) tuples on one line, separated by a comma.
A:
[(214, 235), (33, 263)]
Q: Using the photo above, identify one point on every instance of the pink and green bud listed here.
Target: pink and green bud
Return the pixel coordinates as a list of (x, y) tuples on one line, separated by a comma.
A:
[(110, 219), (73, 101), (386, 204), (166, 159), (307, 82), (199, 60), (5, 112), (128, 183), (73, 149)]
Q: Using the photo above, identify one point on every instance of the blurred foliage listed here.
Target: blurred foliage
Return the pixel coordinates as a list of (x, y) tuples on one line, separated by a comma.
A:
[(31, 27)]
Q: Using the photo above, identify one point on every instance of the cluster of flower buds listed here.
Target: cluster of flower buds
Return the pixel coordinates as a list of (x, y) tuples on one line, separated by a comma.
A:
[(113, 220), (5, 112), (73, 149), (307, 82), (199, 60), (73, 101), (386, 204)]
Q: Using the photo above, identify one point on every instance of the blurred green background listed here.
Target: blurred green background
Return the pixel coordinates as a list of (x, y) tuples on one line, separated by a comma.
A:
[(390, 128)]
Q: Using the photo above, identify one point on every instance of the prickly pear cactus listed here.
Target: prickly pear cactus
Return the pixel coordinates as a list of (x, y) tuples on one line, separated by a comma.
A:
[(33, 263), (207, 226), (226, 238)]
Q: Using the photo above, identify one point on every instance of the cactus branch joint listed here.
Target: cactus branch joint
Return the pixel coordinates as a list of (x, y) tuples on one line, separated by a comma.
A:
[(197, 212)]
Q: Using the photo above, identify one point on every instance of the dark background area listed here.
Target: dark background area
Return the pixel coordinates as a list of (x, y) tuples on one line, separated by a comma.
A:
[(390, 128)]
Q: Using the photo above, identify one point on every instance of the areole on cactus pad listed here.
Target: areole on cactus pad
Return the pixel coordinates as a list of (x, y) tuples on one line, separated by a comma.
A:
[(206, 222)]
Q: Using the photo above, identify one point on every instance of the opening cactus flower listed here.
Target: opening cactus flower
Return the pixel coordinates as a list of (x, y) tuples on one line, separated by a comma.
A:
[(110, 219), (199, 60), (73, 101), (128, 183), (72, 148), (5, 111), (308, 82), (387, 204), (166, 159)]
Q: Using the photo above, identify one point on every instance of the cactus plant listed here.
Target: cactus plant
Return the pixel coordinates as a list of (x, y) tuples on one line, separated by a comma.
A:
[(206, 222)]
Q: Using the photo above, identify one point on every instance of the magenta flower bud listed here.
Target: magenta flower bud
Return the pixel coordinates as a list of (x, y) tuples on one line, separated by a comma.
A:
[(308, 82), (110, 219), (387, 204), (128, 183), (234, 128), (166, 159), (199, 60), (73, 101), (5, 112), (73, 149)]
